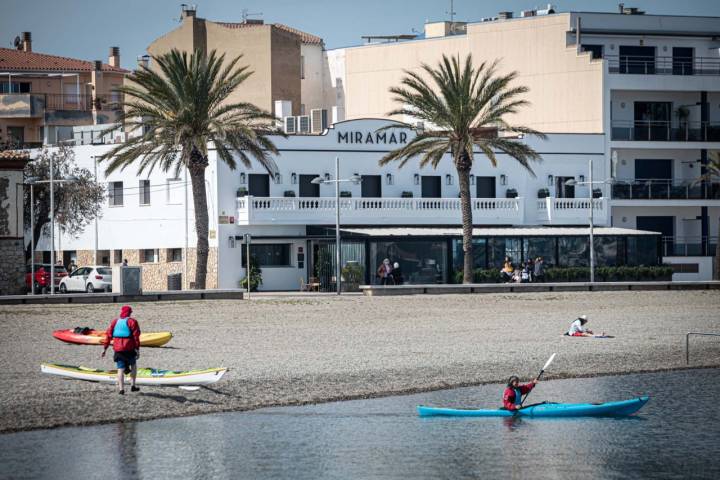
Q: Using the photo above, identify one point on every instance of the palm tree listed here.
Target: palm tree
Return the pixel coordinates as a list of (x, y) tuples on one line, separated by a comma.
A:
[(180, 108), (465, 108)]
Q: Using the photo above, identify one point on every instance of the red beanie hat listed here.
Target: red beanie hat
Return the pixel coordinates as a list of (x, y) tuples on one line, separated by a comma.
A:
[(125, 311)]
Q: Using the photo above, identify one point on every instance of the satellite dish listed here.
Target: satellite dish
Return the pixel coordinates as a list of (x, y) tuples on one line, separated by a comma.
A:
[(18, 43)]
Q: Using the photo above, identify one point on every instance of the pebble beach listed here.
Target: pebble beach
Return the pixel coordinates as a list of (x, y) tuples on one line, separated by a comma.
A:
[(294, 350)]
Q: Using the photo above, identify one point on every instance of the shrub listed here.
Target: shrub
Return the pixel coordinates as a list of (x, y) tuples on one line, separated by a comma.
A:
[(242, 192), (543, 193), (345, 194), (255, 276), (352, 274), (406, 194), (289, 193)]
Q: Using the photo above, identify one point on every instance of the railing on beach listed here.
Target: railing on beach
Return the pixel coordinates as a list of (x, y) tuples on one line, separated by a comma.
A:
[(687, 342)]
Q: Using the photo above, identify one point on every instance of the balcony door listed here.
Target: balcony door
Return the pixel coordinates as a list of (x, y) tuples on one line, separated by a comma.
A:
[(307, 188), (664, 225), (485, 187), (371, 186), (430, 186), (682, 61), (259, 185), (562, 190), (637, 60), (652, 120), (653, 178)]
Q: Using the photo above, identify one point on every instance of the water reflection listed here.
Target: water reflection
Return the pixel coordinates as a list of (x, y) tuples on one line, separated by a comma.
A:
[(672, 437)]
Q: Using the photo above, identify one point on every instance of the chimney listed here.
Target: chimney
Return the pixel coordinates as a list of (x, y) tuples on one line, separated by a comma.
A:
[(505, 15), (143, 61), (27, 42), (114, 58), (187, 10), (98, 65)]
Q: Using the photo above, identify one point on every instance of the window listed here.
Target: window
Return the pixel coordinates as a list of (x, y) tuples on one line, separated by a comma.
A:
[(595, 50), (115, 94), (174, 254), (117, 256), (269, 254), (573, 251), (144, 192), (534, 247), (115, 194), (174, 191), (479, 254), (420, 261), (149, 255), (302, 67), (15, 87)]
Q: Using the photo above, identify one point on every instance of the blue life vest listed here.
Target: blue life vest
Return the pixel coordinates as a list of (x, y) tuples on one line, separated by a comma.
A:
[(121, 329), (518, 396)]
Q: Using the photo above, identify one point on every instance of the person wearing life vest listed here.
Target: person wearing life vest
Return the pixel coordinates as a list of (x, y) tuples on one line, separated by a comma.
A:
[(124, 332), (514, 392)]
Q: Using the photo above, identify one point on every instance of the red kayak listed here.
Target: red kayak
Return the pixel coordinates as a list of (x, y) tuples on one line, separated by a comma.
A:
[(88, 336)]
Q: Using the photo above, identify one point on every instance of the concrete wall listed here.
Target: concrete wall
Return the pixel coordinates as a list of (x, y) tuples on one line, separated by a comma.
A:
[(312, 85), (705, 268), (565, 88), (685, 166), (686, 223)]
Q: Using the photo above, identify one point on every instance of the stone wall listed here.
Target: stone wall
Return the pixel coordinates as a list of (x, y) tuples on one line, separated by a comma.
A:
[(12, 266)]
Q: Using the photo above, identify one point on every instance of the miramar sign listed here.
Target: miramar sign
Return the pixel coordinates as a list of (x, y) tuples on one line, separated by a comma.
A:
[(382, 138)]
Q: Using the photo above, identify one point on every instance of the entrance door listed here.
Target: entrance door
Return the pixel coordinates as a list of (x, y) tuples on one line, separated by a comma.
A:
[(638, 60), (562, 190), (485, 187), (371, 186), (682, 61), (664, 225), (259, 185), (430, 187), (652, 120), (308, 189)]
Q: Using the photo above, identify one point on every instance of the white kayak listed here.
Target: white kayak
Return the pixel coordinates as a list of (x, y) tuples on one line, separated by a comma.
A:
[(145, 376)]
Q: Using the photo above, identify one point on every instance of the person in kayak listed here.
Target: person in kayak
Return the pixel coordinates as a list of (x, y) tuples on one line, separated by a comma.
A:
[(514, 392), (578, 328), (124, 332)]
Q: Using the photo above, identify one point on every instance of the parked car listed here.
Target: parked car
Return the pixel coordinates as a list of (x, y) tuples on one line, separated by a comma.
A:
[(88, 279), (41, 284)]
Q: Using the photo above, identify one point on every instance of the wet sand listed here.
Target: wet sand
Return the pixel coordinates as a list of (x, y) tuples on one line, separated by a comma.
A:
[(298, 350)]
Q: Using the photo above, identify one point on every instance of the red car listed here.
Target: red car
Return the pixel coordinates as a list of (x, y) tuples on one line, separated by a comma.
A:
[(42, 277)]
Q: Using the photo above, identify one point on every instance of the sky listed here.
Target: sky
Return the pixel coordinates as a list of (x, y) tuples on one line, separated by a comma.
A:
[(86, 29)]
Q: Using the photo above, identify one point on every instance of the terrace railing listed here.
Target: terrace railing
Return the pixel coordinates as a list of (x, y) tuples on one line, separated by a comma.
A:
[(662, 65), (659, 189), (688, 246), (665, 131)]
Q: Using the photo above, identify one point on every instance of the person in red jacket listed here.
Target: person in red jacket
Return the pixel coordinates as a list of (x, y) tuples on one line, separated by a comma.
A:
[(124, 332), (514, 392)]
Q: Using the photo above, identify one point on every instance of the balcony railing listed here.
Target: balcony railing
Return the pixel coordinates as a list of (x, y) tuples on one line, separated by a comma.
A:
[(657, 189), (648, 65), (691, 246), (665, 131), (564, 211), (62, 101)]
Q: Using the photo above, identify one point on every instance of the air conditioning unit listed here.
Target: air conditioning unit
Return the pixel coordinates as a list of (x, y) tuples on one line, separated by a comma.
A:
[(303, 124), (289, 125), (318, 120)]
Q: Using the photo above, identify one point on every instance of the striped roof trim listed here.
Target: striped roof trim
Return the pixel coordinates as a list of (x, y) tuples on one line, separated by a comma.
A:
[(305, 37), (12, 60)]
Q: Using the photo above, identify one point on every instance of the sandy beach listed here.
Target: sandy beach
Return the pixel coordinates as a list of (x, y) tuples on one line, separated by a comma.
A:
[(298, 350)]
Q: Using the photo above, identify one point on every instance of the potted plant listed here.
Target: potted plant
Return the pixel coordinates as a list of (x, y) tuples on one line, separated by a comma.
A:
[(597, 193), (289, 193), (242, 192), (543, 193), (511, 193), (255, 276), (406, 194), (352, 274), (345, 194)]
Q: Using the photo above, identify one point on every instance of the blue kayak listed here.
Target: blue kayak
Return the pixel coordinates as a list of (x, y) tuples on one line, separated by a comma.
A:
[(623, 407)]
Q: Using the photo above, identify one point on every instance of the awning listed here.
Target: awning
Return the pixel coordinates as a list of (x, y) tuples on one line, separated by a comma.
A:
[(496, 232)]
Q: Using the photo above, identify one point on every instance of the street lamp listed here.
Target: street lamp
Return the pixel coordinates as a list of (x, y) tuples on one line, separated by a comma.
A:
[(355, 179), (34, 181), (590, 182)]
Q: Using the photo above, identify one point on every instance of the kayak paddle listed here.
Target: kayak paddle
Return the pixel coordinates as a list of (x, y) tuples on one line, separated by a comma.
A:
[(547, 364)]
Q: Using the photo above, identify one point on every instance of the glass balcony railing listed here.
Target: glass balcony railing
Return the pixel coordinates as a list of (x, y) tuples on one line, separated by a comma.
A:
[(692, 246), (665, 131), (650, 65), (654, 189)]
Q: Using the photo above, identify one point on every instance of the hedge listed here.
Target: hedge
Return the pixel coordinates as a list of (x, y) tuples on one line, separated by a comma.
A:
[(582, 274)]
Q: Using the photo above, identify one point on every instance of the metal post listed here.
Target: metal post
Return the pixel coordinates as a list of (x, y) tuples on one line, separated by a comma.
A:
[(185, 253), (96, 220), (52, 230), (247, 262), (592, 240), (337, 224), (32, 241)]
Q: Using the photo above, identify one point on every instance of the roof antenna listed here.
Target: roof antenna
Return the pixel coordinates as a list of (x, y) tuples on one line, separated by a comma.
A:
[(246, 14), (451, 12)]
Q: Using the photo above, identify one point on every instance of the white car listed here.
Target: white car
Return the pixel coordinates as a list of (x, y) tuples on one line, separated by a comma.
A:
[(87, 279)]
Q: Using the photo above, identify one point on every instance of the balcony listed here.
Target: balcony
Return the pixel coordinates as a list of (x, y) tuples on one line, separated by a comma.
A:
[(631, 189), (692, 246), (647, 65), (571, 211), (415, 211), (664, 131), (22, 105)]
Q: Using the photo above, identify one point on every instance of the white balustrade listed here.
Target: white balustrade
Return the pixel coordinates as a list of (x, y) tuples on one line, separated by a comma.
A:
[(572, 211)]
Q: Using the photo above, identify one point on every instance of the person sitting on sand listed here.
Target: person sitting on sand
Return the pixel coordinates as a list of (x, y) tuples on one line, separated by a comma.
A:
[(578, 329), (124, 332), (512, 397)]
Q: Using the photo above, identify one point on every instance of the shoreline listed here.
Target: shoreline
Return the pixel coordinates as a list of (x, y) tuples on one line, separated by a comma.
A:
[(294, 352)]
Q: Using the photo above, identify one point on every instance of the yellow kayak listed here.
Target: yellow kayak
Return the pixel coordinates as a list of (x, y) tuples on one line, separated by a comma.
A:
[(97, 337)]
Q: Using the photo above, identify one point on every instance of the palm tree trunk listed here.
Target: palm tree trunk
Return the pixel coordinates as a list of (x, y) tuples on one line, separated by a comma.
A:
[(717, 255), (463, 169), (198, 163)]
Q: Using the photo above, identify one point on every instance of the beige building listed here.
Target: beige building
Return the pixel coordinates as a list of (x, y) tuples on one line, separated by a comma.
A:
[(42, 97), (275, 53)]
